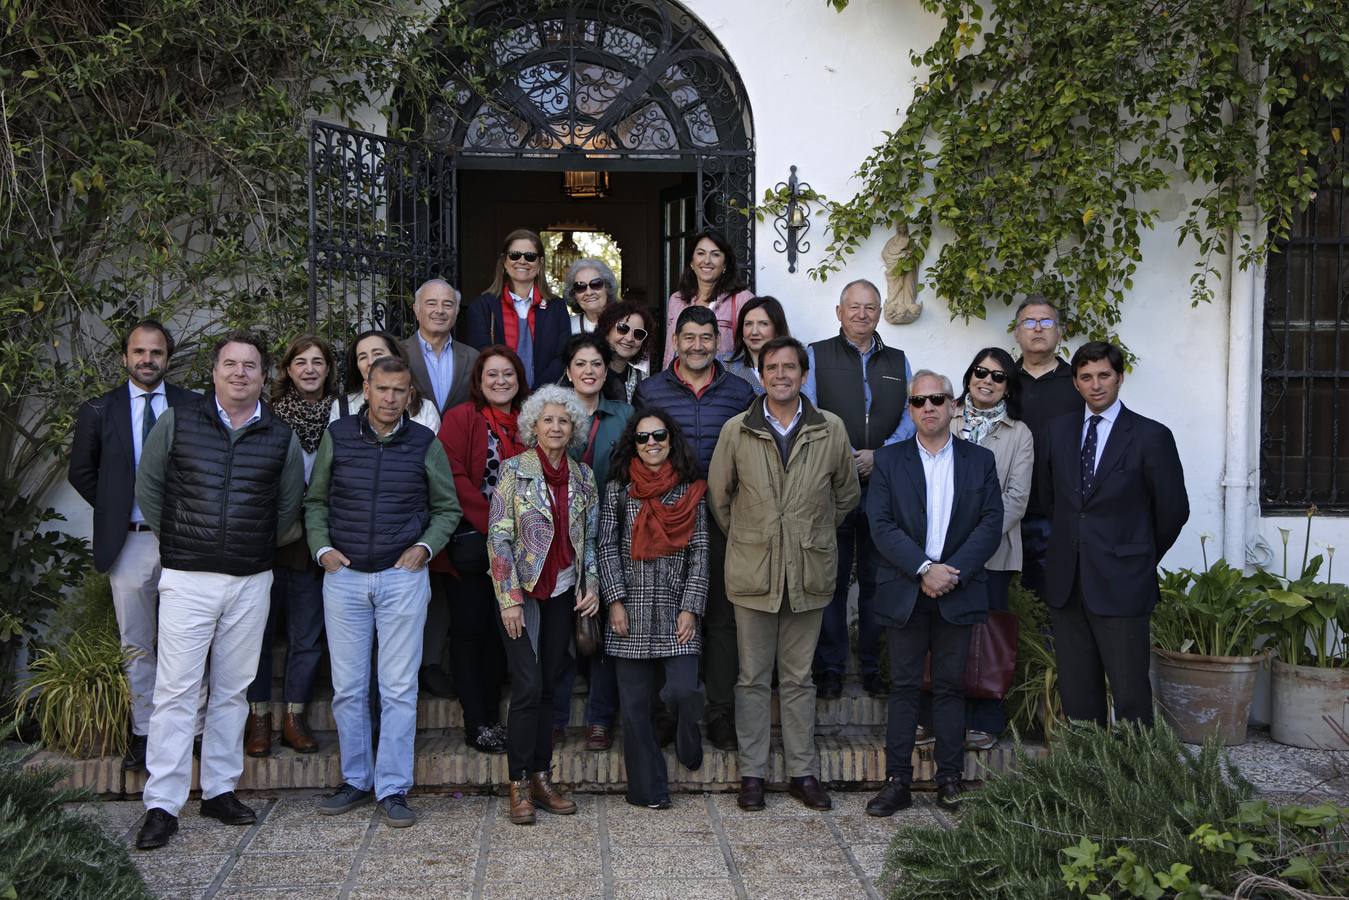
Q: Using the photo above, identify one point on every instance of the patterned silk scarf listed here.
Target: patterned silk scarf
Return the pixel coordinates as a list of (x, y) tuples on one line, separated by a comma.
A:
[(979, 422)]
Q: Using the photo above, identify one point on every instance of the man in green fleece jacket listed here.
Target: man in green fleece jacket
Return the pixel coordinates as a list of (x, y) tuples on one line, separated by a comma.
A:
[(381, 503)]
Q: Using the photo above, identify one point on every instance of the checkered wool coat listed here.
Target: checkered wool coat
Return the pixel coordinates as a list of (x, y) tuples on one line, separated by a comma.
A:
[(653, 591)]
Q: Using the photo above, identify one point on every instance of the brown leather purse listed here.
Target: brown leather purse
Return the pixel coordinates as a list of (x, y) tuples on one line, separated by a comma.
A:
[(991, 662)]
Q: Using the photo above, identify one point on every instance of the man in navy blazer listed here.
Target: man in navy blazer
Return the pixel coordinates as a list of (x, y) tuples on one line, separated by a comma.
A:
[(1115, 490), (109, 434), (935, 509)]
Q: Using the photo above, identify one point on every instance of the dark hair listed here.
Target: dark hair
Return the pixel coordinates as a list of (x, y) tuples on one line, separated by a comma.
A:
[(625, 450), (786, 342), (242, 337), (1035, 300), (475, 394), (389, 365), (1097, 350), (296, 347), (776, 314), (153, 325), (354, 381), (577, 342), (540, 280), (1004, 359), (698, 315), (728, 283)]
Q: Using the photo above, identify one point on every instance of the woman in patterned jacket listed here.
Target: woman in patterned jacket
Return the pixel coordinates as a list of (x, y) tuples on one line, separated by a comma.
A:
[(653, 579)]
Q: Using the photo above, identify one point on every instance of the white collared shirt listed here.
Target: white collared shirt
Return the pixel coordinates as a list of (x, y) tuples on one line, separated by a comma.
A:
[(1103, 427), (521, 305), (780, 428), (160, 404), (939, 473), (225, 417)]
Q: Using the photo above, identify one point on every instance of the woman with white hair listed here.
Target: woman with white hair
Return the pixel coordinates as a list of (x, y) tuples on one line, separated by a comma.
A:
[(590, 287), (544, 574)]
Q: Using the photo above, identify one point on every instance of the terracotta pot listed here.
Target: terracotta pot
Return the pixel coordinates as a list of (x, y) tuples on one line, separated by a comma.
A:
[(1305, 701), (1205, 696)]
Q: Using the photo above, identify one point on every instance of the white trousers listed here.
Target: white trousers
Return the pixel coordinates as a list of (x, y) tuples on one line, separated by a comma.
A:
[(203, 616), (134, 578)]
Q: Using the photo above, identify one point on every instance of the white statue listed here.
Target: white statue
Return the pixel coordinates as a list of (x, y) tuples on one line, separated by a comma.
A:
[(901, 305)]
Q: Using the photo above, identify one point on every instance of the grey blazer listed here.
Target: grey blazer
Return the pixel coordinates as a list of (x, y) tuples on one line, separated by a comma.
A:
[(1014, 453), (464, 358)]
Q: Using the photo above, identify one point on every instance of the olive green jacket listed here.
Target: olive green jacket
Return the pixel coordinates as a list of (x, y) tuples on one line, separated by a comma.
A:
[(780, 521)]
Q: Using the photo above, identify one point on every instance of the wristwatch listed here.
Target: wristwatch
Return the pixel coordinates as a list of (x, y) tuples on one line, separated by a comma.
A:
[(922, 570)]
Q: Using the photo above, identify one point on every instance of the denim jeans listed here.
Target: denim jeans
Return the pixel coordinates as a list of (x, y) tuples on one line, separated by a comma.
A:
[(648, 777), (358, 606), (297, 597), (854, 541)]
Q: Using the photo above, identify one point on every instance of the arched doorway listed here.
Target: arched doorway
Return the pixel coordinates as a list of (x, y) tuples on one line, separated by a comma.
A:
[(639, 90)]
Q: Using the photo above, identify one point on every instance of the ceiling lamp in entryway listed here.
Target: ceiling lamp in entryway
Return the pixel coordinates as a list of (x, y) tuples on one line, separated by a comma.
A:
[(585, 185)]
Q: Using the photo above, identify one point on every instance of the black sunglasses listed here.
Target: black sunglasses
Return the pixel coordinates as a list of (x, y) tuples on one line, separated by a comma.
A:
[(580, 287), (660, 435), (624, 328), (917, 401), (997, 375), (529, 255)]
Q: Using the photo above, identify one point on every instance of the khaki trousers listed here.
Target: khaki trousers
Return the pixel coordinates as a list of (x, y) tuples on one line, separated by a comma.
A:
[(788, 639)]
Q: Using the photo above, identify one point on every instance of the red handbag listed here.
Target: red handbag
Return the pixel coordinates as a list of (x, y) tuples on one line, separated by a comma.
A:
[(991, 662)]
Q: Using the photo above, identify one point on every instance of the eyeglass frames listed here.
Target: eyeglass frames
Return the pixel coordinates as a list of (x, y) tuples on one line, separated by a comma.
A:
[(624, 328)]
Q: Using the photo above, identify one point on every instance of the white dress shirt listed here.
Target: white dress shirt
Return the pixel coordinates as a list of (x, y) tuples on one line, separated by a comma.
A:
[(1102, 428), (783, 428), (160, 404), (225, 417), (939, 473)]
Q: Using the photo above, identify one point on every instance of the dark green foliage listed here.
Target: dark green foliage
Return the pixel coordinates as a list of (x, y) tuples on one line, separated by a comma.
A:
[(48, 852), (1135, 788)]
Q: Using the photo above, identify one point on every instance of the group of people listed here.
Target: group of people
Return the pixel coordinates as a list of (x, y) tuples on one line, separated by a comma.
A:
[(453, 512)]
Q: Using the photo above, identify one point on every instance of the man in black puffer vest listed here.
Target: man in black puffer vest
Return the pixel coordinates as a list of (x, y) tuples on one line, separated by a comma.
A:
[(220, 482), (381, 503)]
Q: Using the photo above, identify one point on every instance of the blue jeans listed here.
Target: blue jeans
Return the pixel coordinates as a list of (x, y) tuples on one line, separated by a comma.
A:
[(358, 606), (297, 597), (831, 654)]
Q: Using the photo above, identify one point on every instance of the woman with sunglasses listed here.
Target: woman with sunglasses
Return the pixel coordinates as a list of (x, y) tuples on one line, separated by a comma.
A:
[(653, 548), (761, 320), (711, 278), (591, 286), (520, 311), (626, 327)]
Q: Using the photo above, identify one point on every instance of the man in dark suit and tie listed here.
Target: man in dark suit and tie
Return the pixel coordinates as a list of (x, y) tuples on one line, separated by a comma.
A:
[(109, 433), (935, 510), (1116, 494)]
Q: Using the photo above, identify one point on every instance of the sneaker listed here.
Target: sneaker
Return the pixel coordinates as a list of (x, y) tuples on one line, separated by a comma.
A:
[(922, 736), (487, 739), (344, 799), (980, 740), (397, 812)]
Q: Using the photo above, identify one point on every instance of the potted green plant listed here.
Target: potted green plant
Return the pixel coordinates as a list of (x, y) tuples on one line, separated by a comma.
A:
[(1033, 704), (1205, 633)]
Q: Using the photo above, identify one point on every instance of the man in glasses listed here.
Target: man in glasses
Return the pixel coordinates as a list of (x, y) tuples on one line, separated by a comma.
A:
[(782, 479), (935, 508), (862, 381), (1045, 381)]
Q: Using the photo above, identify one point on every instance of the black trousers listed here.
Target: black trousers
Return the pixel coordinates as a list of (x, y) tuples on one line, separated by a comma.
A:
[(529, 723), (926, 631), (648, 778), (721, 656), (476, 654), (1092, 648)]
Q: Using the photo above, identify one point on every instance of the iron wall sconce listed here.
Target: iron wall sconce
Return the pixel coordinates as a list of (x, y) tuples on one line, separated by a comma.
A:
[(794, 222)]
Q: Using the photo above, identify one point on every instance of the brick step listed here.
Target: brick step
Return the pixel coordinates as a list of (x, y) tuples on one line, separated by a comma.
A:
[(854, 758)]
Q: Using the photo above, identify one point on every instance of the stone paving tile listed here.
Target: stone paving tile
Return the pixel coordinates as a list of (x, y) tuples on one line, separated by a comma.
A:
[(307, 837), (658, 828), (413, 891), (797, 830), (290, 869), (775, 804), (297, 806), (431, 866), (760, 862), (639, 863), (177, 875), (435, 832), (505, 863), (675, 889), (871, 857), (808, 889), (547, 889), (113, 815), (310, 893), (197, 836), (578, 832)]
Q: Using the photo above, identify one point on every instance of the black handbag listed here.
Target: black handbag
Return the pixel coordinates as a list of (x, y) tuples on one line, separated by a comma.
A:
[(468, 551)]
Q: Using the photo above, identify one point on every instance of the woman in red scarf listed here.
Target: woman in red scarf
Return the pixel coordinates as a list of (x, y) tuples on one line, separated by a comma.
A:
[(653, 578), (479, 436), (541, 542)]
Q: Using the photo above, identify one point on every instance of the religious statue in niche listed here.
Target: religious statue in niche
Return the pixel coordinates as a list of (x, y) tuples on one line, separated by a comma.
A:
[(901, 305)]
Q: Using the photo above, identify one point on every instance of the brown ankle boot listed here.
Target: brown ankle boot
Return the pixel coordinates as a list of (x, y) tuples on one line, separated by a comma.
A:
[(542, 792), (522, 807), (258, 734), (295, 733)]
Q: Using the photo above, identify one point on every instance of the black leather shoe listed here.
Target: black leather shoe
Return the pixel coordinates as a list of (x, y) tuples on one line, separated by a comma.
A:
[(721, 734), (893, 797), (158, 828), (227, 808), (829, 686), (948, 795), (874, 684), (751, 794), (134, 760), (433, 680), (807, 789)]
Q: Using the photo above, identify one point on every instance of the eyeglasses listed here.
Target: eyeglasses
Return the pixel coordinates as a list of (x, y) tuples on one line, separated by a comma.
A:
[(659, 436), (917, 401), (1029, 324), (997, 375), (580, 287), (624, 328), (529, 255)]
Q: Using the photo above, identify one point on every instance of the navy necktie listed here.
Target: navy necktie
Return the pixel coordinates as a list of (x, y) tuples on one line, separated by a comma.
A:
[(1089, 455), (148, 420)]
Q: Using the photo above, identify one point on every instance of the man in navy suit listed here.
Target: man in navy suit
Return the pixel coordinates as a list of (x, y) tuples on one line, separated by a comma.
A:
[(109, 433), (935, 509), (1115, 490)]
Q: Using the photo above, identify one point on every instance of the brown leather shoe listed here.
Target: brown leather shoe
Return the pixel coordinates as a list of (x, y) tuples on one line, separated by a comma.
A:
[(522, 807), (547, 797), (258, 734), (751, 794), (807, 789), (295, 733), (599, 737)]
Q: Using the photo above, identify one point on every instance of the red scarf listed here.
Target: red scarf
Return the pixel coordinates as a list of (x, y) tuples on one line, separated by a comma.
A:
[(510, 322), (560, 551), (504, 426), (661, 530)]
